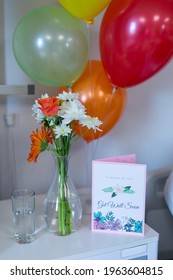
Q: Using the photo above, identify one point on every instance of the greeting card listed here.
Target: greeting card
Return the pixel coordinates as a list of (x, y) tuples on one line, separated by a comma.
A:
[(118, 195)]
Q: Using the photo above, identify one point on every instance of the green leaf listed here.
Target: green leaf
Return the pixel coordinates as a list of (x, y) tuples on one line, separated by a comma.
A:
[(113, 194), (127, 187), (108, 189), (128, 190)]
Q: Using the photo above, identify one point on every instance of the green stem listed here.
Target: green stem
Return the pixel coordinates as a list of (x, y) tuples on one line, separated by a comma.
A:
[(64, 209), (80, 136)]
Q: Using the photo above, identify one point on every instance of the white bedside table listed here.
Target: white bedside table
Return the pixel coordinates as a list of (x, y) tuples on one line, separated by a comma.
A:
[(82, 244)]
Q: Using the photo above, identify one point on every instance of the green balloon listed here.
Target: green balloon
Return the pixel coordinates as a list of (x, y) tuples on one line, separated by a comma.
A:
[(51, 46)]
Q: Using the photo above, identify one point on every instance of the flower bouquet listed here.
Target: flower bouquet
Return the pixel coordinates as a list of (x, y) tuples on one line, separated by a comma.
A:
[(57, 116)]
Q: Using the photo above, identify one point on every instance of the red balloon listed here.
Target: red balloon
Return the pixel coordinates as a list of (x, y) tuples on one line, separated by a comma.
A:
[(136, 39)]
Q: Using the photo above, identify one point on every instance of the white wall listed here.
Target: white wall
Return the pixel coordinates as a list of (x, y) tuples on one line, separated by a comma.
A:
[(145, 128), (1, 42)]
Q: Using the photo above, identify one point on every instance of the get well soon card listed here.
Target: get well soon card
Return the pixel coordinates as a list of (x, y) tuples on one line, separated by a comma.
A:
[(118, 195)]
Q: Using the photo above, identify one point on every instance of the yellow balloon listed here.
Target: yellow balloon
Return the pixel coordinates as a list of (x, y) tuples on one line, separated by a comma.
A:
[(85, 9)]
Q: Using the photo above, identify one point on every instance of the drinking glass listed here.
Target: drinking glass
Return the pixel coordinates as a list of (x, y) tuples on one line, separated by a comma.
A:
[(23, 207)]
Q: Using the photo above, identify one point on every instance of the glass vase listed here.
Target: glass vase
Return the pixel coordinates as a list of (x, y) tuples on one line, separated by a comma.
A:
[(62, 205)]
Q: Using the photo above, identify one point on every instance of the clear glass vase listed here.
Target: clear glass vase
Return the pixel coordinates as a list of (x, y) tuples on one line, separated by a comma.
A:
[(62, 205)]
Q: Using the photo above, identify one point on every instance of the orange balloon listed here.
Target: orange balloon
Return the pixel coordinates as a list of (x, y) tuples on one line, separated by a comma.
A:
[(100, 99)]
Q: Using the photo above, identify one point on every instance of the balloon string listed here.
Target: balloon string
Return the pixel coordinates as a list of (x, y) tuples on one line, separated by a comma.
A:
[(93, 146), (90, 66), (109, 104), (69, 89), (114, 89), (89, 147), (87, 152), (89, 40), (105, 116), (91, 89)]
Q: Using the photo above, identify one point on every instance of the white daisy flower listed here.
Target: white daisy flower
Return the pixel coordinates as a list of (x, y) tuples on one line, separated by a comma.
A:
[(62, 130), (68, 96), (72, 110), (44, 96), (90, 122), (39, 116), (37, 112), (63, 108)]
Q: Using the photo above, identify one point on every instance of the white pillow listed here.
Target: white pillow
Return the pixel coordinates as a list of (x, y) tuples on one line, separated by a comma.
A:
[(168, 192)]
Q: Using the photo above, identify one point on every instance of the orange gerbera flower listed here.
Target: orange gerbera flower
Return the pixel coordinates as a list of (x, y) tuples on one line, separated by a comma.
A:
[(39, 143)]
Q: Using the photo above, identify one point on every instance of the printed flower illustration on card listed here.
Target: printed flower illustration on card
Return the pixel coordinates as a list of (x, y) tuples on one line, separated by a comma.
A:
[(118, 189), (109, 221)]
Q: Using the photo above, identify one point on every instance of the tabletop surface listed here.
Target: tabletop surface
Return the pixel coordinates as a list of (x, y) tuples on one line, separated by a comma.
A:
[(81, 244)]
